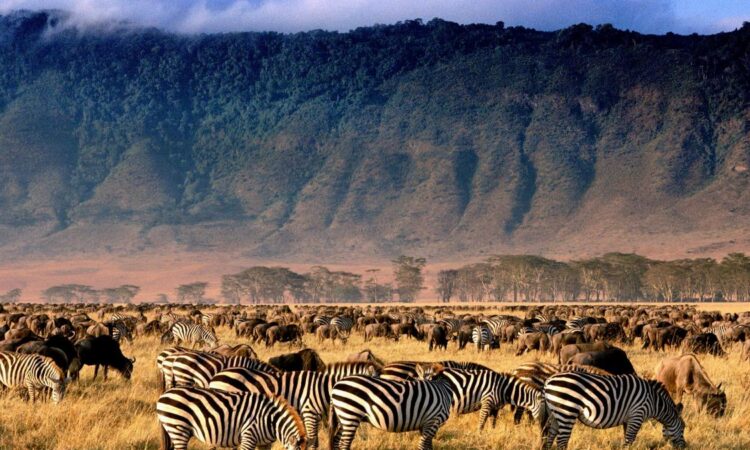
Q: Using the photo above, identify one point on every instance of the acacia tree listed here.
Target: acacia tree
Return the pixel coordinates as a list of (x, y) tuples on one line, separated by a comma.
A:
[(12, 296), (446, 284), (192, 292), (407, 271)]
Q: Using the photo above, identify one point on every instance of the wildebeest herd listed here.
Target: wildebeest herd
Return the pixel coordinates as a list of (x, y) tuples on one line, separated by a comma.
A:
[(225, 396)]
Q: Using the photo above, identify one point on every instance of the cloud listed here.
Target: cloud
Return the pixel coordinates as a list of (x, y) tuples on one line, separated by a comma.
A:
[(191, 16)]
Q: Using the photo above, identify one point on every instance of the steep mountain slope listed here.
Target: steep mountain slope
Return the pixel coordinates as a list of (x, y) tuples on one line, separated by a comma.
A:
[(444, 140)]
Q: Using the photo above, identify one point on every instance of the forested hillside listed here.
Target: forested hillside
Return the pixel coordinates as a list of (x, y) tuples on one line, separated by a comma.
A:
[(430, 138)]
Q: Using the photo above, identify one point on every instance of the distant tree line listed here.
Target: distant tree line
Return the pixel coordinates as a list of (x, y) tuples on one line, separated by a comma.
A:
[(612, 277), (81, 293), (262, 284)]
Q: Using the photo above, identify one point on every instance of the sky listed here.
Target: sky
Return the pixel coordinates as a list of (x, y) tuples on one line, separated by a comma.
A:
[(209, 16)]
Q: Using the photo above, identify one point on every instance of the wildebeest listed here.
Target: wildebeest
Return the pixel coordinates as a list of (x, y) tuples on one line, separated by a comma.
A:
[(236, 350), (703, 343), (284, 333), (374, 330), (658, 338), (538, 340), (438, 338), (613, 360), (305, 359), (559, 340), (567, 351), (104, 351), (685, 375), (365, 356)]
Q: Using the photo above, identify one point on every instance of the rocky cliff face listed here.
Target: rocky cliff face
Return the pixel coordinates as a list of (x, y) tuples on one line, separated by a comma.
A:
[(437, 139)]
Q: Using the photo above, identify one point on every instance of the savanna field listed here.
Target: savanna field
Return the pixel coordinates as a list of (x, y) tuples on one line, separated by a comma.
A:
[(120, 414)]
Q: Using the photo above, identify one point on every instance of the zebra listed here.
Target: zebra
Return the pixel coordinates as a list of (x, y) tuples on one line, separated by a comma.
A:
[(725, 331), (341, 326), (395, 406), (488, 391), (225, 419), (197, 368), (451, 325), (482, 337), (194, 334), (601, 401), (32, 372), (118, 330), (496, 324), (321, 320), (307, 391)]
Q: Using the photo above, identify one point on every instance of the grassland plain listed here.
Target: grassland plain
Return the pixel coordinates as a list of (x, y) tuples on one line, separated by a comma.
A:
[(118, 414)]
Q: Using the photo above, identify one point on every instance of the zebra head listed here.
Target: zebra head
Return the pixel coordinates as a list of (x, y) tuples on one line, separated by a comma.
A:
[(290, 428), (58, 382), (429, 371)]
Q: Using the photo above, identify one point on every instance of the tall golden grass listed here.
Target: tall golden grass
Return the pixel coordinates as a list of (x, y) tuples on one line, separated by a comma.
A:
[(119, 414)]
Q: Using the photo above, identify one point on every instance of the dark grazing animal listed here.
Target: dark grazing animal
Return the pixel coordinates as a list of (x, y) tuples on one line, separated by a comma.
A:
[(223, 419), (602, 401), (104, 351), (685, 375), (613, 360), (60, 349), (703, 343), (305, 359), (569, 350), (437, 338)]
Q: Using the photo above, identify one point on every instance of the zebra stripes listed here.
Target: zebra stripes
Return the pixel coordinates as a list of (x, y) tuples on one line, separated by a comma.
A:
[(342, 325), (496, 324), (394, 406), (191, 333), (197, 368), (601, 401), (482, 337), (488, 391), (118, 330), (224, 419), (309, 392), (32, 372)]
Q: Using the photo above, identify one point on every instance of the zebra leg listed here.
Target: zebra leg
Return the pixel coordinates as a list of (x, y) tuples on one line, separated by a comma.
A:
[(311, 421), (483, 413), (179, 437), (518, 415), (345, 436), (632, 428), (564, 429), (428, 433)]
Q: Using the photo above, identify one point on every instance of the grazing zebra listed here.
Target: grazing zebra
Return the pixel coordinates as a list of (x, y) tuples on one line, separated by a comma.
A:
[(321, 320), (482, 337), (224, 419), (395, 406), (496, 324), (194, 334), (118, 330), (32, 372), (577, 323), (342, 325), (601, 401), (725, 332), (536, 374), (488, 391), (197, 368), (308, 392), (451, 326)]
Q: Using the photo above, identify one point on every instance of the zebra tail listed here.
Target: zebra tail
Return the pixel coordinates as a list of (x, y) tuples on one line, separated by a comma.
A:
[(166, 442), (333, 427)]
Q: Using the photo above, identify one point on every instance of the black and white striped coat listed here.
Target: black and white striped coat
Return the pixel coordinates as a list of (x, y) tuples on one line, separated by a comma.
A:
[(342, 325), (482, 337), (308, 392), (395, 406), (193, 334), (224, 419), (602, 401), (197, 368), (488, 391), (33, 373)]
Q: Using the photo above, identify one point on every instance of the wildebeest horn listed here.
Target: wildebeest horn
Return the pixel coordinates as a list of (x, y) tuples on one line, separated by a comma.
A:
[(132, 360), (718, 386)]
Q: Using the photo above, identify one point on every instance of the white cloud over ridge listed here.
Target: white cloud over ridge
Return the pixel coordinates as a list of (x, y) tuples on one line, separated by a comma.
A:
[(208, 16)]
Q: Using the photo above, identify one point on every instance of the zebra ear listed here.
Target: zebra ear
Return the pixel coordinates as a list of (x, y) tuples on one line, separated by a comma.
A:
[(420, 371), (679, 409)]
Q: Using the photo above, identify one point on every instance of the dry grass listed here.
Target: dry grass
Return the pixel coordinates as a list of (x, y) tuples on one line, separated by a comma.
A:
[(120, 415)]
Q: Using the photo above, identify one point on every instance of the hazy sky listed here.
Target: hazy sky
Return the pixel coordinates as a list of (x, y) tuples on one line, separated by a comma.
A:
[(648, 16)]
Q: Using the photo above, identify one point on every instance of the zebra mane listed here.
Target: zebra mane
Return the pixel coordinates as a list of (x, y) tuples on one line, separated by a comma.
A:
[(283, 404), (520, 381)]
